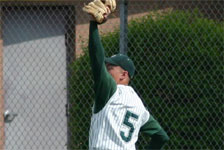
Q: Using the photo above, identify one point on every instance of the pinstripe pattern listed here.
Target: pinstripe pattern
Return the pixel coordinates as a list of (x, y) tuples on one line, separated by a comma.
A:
[(107, 125)]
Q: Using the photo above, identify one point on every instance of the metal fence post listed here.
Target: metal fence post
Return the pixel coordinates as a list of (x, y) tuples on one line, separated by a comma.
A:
[(123, 26), (70, 58), (2, 124)]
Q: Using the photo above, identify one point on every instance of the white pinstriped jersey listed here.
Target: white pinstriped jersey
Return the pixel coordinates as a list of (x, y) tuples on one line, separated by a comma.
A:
[(117, 125)]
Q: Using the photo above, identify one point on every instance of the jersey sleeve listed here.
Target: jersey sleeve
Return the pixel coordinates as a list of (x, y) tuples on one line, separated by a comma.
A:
[(158, 136), (104, 84)]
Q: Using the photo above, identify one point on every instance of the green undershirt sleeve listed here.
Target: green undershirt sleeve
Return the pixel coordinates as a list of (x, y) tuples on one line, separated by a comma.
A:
[(158, 136), (104, 84)]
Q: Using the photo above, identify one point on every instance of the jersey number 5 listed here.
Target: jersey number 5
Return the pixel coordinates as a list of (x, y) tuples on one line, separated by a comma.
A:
[(127, 123)]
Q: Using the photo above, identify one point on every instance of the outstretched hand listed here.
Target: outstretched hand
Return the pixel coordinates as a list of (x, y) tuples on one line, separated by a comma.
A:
[(100, 9)]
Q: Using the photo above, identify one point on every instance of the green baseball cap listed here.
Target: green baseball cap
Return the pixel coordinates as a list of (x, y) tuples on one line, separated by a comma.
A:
[(123, 61)]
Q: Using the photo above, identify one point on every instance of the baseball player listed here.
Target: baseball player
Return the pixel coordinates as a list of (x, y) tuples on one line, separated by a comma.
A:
[(118, 113)]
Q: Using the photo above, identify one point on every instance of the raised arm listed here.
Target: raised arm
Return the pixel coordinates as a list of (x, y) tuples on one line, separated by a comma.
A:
[(104, 84)]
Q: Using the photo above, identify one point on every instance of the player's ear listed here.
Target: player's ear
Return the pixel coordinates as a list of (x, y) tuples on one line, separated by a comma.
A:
[(126, 78), (125, 73)]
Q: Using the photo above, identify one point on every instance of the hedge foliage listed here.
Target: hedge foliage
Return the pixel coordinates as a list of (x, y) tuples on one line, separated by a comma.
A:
[(179, 61)]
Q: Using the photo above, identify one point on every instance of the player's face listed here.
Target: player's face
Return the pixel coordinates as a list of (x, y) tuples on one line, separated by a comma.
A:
[(117, 73)]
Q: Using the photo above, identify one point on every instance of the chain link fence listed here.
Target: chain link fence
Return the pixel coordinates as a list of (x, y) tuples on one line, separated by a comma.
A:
[(46, 81)]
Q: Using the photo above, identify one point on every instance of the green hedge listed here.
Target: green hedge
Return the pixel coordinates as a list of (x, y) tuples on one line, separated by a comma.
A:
[(179, 61)]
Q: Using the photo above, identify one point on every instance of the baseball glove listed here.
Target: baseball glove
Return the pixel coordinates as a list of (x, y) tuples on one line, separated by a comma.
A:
[(100, 9), (111, 4)]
